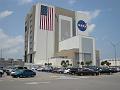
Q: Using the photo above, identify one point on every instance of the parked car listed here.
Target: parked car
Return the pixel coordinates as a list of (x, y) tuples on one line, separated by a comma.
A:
[(105, 70), (1, 72), (58, 70), (87, 71), (8, 71), (67, 71), (48, 69), (55, 70), (73, 70), (23, 73), (40, 69), (113, 69)]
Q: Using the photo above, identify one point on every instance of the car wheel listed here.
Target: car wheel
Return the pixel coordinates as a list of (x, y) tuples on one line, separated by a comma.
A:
[(81, 74), (14, 76), (0, 74), (21, 76)]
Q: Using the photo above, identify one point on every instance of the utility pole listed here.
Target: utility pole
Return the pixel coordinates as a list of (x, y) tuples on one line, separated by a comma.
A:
[(1, 54)]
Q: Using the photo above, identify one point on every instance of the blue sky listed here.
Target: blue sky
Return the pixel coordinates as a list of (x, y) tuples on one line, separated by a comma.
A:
[(104, 15)]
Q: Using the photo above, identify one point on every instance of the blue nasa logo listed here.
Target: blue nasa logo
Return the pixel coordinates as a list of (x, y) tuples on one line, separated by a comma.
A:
[(82, 25)]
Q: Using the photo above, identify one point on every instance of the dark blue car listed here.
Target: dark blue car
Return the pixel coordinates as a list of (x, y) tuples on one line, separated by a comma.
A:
[(23, 73)]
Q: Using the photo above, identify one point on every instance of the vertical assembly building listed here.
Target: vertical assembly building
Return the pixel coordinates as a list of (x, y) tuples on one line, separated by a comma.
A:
[(53, 32)]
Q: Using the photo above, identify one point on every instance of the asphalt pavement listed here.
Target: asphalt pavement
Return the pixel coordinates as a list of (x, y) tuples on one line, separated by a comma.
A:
[(50, 81)]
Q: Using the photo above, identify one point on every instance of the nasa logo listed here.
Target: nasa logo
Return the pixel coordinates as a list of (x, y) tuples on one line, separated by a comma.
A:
[(82, 25)]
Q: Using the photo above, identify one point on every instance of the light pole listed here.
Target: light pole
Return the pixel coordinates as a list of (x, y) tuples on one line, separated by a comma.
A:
[(115, 46)]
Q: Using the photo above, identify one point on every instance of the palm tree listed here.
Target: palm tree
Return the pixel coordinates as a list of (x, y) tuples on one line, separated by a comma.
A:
[(46, 64), (70, 64), (78, 62), (49, 64), (108, 64), (63, 63), (82, 63), (67, 62), (103, 63), (88, 63)]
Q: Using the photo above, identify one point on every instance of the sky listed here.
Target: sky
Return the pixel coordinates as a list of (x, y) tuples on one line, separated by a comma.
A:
[(103, 17)]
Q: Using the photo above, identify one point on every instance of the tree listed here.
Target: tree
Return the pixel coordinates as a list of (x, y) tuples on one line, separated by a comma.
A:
[(46, 64), (108, 64), (70, 64), (103, 63), (82, 63), (67, 62), (49, 64), (63, 63), (78, 63), (88, 63)]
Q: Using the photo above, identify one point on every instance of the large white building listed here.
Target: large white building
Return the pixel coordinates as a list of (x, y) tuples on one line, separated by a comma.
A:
[(56, 32)]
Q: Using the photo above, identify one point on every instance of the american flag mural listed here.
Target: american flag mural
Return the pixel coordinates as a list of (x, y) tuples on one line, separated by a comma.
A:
[(46, 18)]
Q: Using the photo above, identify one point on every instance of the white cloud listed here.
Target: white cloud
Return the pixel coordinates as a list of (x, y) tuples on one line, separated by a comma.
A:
[(5, 14), (25, 1), (11, 46), (72, 1), (95, 13), (91, 27), (90, 14)]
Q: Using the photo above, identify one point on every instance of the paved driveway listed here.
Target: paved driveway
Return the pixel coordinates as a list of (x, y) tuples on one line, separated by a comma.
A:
[(49, 81)]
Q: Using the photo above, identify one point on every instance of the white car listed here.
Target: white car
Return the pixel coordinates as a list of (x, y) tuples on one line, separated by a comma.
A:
[(66, 71), (12, 72), (40, 69)]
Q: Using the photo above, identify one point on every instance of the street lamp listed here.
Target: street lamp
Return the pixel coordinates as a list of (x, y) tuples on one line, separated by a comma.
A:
[(115, 46)]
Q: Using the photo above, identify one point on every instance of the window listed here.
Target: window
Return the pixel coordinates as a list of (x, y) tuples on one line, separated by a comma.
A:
[(30, 58), (25, 28), (65, 27)]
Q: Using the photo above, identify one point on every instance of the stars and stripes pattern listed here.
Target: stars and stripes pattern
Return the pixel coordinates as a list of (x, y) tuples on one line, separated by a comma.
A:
[(46, 18)]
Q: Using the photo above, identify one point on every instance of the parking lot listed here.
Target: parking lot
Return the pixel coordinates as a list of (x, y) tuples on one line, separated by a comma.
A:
[(52, 81)]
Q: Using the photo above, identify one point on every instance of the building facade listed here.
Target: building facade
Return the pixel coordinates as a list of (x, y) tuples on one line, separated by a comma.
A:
[(52, 32)]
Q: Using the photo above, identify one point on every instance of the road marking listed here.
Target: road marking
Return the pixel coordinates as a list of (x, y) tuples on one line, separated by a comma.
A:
[(73, 78), (32, 83), (65, 77), (44, 82), (35, 83), (55, 76)]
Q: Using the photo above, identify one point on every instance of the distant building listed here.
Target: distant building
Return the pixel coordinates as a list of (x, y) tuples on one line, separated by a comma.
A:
[(51, 31), (97, 58), (2, 59), (11, 62)]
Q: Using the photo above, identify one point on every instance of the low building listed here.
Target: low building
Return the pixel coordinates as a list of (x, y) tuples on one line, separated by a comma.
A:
[(113, 62), (97, 57), (11, 62)]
